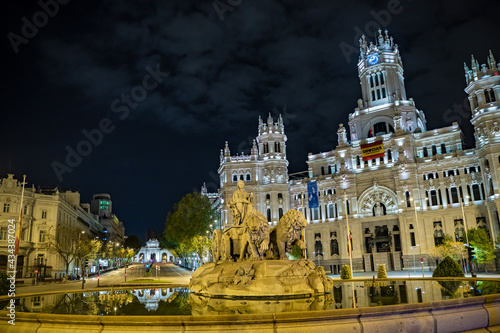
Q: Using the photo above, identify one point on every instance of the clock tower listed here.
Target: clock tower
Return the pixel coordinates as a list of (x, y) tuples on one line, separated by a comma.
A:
[(380, 71)]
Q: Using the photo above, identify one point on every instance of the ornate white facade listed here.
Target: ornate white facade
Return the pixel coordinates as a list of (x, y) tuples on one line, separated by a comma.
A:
[(153, 252), (426, 186)]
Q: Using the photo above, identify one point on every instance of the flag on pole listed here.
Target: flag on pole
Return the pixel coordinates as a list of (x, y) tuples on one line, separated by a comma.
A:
[(370, 151), (371, 131), (20, 226), (349, 242), (312, 194)]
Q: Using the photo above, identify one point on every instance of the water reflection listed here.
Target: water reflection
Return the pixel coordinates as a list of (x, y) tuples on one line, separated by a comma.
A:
[(179, 301)]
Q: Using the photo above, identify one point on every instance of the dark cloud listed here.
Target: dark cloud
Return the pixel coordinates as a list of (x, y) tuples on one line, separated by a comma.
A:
[(264, 55)]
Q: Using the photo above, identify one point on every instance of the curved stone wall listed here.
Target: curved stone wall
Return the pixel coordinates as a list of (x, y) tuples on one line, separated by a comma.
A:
[(442, 316)]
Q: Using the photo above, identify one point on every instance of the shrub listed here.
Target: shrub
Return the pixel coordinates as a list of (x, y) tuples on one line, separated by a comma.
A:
[(382, 273), (345, 272), (448, 268)]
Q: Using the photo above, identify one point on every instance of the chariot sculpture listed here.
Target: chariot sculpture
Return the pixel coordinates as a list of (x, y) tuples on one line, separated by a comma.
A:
[(250, 259)]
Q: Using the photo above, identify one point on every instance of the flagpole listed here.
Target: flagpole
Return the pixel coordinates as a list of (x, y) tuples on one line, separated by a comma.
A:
[(304, 252), (349, 247), (20, 226)]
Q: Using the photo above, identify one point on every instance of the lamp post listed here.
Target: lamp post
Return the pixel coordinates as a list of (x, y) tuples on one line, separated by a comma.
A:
[(418, 224), (36, 272), (465, 226)]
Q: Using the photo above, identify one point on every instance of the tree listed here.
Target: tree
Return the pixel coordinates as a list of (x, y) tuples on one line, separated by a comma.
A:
[(483, 247), (87, 248), (449, 248), (189, 221), (133, 242), (201, 245), (65, 242)]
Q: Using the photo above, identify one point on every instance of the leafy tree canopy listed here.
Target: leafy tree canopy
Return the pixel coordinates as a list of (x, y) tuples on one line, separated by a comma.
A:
[(190, 219), (481, 242), (449, 248)]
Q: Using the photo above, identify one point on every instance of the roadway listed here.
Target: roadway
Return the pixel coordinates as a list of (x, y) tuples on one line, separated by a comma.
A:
[(167, 272)]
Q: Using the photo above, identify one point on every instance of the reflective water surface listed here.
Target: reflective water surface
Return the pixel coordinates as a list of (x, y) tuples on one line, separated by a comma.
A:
[(179, 301)]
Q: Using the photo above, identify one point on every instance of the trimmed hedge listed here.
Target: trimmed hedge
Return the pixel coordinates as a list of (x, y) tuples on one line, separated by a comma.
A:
[(448, 268), (345, 273), (382, 273)]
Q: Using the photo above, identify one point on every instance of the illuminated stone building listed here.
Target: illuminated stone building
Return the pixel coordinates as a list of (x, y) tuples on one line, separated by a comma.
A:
[(425, 186), (46, 213)]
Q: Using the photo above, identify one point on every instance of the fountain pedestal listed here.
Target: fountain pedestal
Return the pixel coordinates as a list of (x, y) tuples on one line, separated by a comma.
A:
[(260, 278)]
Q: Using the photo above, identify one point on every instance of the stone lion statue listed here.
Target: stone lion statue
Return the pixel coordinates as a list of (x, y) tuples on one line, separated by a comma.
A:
[(288, 232), (255, 235)]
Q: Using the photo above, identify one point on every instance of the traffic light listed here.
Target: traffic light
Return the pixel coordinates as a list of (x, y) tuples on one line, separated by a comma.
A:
[(471, 252)]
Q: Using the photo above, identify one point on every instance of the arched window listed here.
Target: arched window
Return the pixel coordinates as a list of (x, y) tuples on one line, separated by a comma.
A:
[(241, 177), (407, 197), (248, 177), (280, 212), (280, 196), (329, 169), (268, 196), (425, 152), (277, 147), (269, 215), (235, 178), (443, 148), (322, 170), (358, 161), (434, 150)]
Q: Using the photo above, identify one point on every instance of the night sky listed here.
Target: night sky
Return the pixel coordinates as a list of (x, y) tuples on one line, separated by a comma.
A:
[(169, 81)]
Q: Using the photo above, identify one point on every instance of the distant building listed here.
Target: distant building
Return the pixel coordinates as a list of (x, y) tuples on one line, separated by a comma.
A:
[(153, 253), (423, 185), (113, 229), (46, 213)]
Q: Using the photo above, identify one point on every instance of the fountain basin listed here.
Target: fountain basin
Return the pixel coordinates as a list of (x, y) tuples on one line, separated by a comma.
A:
[(434, 314)]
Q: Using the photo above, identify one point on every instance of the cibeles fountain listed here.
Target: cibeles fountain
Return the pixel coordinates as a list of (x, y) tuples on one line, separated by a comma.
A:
[(250, 260)]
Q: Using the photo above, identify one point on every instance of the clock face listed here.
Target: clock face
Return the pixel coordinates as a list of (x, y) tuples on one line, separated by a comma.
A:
[(373, 59)]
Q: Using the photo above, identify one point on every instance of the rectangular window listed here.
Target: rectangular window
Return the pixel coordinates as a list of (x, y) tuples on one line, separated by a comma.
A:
[(330, 211), (6, 207), (475, 192), (412, 239), (315, 213), (3, 233), (454, 195), (434, 199), (42, 236), (44, 214)]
